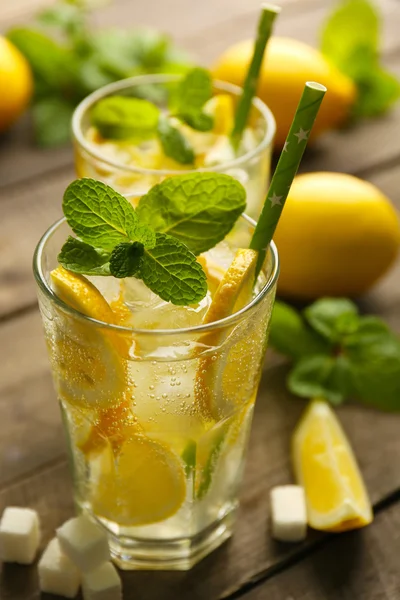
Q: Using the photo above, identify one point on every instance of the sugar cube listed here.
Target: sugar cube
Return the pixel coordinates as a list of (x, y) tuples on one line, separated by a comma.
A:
[(57, 574), (19, 535), (102, 583), (84, 542), (289, 513)]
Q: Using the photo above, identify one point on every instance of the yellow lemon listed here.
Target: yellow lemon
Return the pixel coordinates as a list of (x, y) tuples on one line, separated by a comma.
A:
[(325, 466), (221, 108), (287, 65), (16, 83), (336, 237), (235, 290), (89, 363), (144, 484)]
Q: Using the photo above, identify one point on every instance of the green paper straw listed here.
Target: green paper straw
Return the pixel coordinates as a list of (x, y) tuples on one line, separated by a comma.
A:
[(268, 15), (287, 166)]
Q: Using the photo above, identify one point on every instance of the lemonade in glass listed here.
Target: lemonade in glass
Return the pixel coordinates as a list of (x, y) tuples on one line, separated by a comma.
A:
[(156, 349), (134, 158)]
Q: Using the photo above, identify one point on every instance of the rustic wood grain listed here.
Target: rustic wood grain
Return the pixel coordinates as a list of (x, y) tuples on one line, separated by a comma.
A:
[(360, 564)]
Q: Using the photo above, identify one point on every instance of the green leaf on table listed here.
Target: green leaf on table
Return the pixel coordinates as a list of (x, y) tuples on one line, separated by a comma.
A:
[(332, 317), (199, 209), (100, 216), (174, 143), (290, 335), (172, 272), (125, 259), (374, 356), (321, 376), (350, 40), (52, 121), (79, 257), (121, 117), (67, 17)]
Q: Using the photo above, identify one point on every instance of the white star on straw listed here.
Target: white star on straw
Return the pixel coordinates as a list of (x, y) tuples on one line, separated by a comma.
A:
[(301, 135), (274, 199), (285, 147)]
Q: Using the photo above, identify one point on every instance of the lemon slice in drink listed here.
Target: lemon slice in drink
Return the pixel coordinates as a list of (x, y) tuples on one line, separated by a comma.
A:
[(145, 484), (221, 108), (89, 362), (233, 293), (325, 466)]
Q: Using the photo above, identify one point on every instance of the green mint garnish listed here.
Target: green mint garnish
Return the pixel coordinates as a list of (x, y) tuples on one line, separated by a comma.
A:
[(120, 117), (174, 143), (82, 258), (101, 217), (339, 354), (155, 242), (199, 209), (172, 270), (193, 92), (125, 259)]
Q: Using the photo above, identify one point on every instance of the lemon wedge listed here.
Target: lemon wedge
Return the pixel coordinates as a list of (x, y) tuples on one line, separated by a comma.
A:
[(325, 466), (221, 108), (89, 362), (145, 484), (235, 290)]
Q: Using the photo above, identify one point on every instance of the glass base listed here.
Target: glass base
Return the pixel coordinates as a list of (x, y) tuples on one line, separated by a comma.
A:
[(178, 555)]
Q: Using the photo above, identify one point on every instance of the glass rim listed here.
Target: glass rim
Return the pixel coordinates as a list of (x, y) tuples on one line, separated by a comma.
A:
[(122, 84), (196, 329)]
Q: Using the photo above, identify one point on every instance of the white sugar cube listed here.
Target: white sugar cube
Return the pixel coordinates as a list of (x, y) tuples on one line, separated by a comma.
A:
[(102, 583), (289, 513), (19, 535), (57, 574), (84, 542)]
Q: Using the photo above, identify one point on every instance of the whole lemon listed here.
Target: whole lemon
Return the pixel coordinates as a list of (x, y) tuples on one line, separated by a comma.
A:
[(337, 235), (288, 64), (16, 83)]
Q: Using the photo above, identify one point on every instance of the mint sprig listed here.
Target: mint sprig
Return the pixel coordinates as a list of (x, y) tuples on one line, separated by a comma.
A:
[(148, 243), (338, 354), (193, 92), (351, 40), (174, 143)]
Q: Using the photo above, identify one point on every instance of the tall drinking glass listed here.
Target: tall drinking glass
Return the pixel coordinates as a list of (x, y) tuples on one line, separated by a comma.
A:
[(157, 418), (133, 172)]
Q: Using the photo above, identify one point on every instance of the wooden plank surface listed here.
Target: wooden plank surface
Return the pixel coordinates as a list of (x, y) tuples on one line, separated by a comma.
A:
[(359, 564), (33, 470)]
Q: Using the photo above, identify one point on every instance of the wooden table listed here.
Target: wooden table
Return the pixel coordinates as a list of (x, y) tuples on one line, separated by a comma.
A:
[(362, 565)]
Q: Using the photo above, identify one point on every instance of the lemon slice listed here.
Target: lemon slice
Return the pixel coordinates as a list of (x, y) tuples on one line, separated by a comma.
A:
[(145, 484), (221, 108), (214, 272), (89, 362), (325, 466), (233, 293)]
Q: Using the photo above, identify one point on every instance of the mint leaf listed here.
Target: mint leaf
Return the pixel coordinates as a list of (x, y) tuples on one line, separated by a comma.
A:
[(120, 117), (198, 120), (174, 144), (326, 317), (52, 121), (82, 258), (290, 335), (350, 40), (193, 91), (199, 209), (204, 476), (100, 216), (353, 23), (125, 260), (189, 457), (321, 376), (172, 271), (375, 368)]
